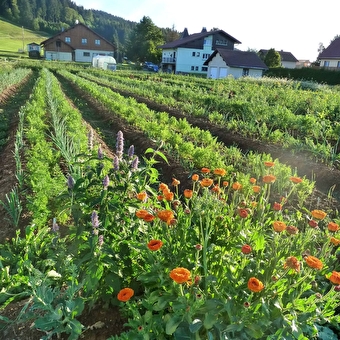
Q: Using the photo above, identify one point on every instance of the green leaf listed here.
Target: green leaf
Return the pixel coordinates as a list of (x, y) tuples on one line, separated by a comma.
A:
[(172, 324), (195, 325), (210, 319)]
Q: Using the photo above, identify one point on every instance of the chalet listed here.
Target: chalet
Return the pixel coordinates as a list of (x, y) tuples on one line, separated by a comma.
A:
[(287, 58), (223, 63), (330, 56), (77, 43), (33, 50), (189, 53)]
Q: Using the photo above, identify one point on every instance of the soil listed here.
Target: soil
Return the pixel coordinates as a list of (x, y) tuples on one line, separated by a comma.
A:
[(102, 323)]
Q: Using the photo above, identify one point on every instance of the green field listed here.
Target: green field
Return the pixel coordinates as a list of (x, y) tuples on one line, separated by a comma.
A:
[(14, 38)]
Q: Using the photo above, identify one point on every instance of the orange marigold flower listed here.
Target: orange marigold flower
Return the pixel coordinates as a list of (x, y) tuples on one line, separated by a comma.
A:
[(252, 180), (162, 186), (206, 182), (125, 294), (256, 189), (160, 197), (155, 245), (332, 226), (318, 214), (180, 275), (205, 170), (335, 241), (293, 263), (292, 230), (253, 204), (141, 213), (255, 285), (237, 186), (225, 183), (169, 196), (335, 278), (187, 193), (175, 182), (268, 179), (220, 172), (277, 206), (216, 188), (195, 177), (165, 215), (279, 226), (142, 196), (243, 213), (246, 249), (313, 262), (149, 217), (269, 164), (296, 180)]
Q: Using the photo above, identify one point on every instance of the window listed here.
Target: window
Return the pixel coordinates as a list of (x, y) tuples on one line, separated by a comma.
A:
[(192, 68), (207, 42), (245, 72), (221, 42), (326, 64), (193, 54), (338, 66), (86, 54), (206, 55), (58, 43), (67, 39), (84, 41), (196, 68), (197, 54), (97, 41), (204, 69)]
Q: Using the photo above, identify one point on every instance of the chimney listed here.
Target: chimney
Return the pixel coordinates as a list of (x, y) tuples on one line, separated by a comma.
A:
[(185, 33), (204, 30)]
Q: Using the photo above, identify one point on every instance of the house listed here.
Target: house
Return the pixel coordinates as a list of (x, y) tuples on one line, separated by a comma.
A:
[(287, 58), (303, 63), (223, 63), (330, 56), (77, 43), (33, 50), (188, 54)]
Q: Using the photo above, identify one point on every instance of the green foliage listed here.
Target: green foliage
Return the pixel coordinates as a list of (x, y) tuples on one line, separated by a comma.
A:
[(272, 58)]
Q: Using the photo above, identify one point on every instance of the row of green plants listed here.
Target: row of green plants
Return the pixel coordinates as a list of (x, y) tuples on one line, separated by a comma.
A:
[(193, 147), (10, 76), (274, 110), (227, 257)]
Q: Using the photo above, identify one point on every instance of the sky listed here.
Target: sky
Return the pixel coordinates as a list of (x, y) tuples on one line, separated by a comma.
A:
[(292, 25)]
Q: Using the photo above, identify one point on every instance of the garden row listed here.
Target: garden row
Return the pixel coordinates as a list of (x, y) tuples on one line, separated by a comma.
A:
[(277, 111)]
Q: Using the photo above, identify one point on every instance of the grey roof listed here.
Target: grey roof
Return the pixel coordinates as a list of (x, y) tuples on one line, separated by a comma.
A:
[(285, 56), (236, 58), (332, 51), (195, 36)]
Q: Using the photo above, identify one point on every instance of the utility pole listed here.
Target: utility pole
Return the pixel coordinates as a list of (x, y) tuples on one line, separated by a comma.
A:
[(23, 39)]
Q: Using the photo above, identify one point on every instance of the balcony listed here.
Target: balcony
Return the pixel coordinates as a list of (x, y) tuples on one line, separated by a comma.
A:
[(168, 60)]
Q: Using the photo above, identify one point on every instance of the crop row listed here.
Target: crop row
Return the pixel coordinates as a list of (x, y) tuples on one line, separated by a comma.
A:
[(276, 111)]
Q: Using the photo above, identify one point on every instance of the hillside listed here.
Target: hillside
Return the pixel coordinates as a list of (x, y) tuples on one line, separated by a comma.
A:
[(14, 38)]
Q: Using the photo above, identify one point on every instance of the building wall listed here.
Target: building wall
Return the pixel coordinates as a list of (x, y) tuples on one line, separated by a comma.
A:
[(288, 64), (186, 62), (61, 56), (331, 63), (219, 69)]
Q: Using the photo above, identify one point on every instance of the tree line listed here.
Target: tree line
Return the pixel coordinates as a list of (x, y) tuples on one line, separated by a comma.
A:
[(136, 41)]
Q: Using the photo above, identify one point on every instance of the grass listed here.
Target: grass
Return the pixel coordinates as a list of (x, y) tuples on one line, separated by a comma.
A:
[(14, 38)]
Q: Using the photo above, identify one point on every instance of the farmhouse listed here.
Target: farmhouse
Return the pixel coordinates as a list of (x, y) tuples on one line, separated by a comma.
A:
[(287, 58), (33, 50), (77, 43), (223, 63), (188, 54), (330, 56)]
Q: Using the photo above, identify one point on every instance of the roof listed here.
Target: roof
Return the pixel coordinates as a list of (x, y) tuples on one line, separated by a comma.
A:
[(71, 28), (236, 58), (285, 56), (332, 51), (195, 36)]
